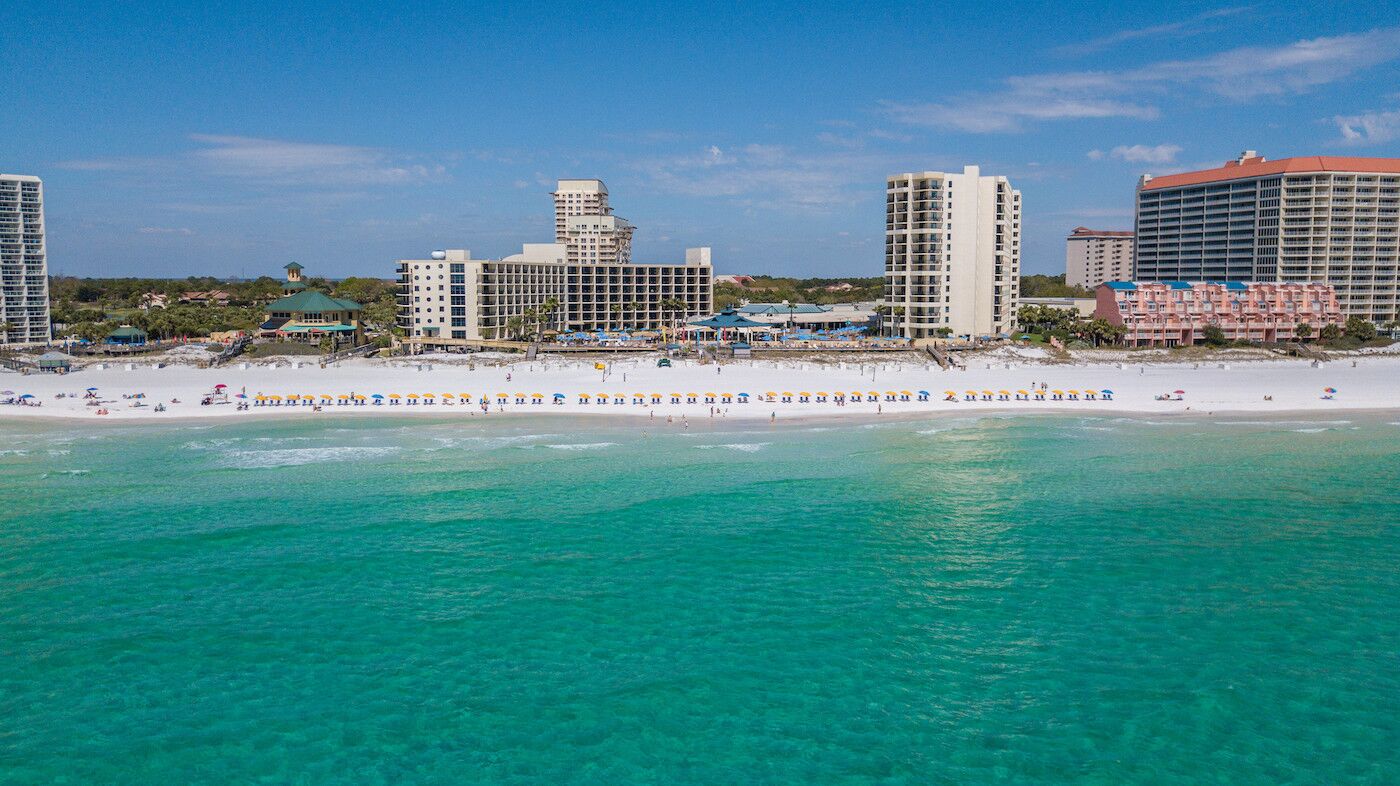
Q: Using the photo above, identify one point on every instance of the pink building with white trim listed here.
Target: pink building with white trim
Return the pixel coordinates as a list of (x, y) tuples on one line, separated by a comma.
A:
[(1175, 313)]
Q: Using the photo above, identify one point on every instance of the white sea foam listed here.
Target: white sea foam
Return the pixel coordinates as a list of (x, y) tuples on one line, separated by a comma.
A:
[(578, 446), (742, 447), (14, 453), (1282, 422), (291, 457), (59, 452)]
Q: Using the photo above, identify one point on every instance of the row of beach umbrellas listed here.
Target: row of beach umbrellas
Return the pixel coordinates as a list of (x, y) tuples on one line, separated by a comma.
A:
[(772, 396)]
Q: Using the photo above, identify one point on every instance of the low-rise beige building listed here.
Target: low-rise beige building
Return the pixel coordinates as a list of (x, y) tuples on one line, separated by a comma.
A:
[(586, 281)]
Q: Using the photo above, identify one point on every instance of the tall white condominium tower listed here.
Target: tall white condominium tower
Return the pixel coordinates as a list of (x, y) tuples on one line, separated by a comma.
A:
[(584, 222), (952, 253), (24, 276), (1321, 219), (1093, 256)]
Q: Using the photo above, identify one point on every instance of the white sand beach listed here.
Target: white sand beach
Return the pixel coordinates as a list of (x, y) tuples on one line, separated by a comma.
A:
[(1214, 386)]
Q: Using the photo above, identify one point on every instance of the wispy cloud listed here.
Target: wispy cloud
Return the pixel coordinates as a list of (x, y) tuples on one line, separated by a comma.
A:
[(1196, 25), (776, 177), (1139, 154), (277, 161), (1238, 75), (1368, 128), (308, 162), (183, 231)]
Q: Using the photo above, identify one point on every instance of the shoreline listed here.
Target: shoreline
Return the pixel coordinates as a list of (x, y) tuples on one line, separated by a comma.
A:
[(634, 419)]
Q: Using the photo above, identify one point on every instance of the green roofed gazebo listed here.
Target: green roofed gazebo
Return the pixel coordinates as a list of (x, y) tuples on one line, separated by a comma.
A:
[(126, 335), (728, 320)]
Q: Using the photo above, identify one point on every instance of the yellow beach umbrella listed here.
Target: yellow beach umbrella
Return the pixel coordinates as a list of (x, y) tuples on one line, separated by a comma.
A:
[(414, 395), (1003, 392), (502, 395), (448, 395), (391, 395), (1024, 392), (536, 395), (429, 395)]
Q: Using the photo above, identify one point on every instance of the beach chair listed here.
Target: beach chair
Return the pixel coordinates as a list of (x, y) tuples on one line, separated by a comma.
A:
[(583, 398), (675, 398), (1040, 395), (726, 398), (691, 398)]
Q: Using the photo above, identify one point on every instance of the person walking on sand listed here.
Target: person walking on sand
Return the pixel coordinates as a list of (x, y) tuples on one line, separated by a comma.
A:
[(772, 417)]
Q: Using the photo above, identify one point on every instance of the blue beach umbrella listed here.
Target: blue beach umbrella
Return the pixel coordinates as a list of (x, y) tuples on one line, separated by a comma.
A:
[(27, 395), (559, 395), (91, 389), (1106, 390), (376, 395), (924, 393)]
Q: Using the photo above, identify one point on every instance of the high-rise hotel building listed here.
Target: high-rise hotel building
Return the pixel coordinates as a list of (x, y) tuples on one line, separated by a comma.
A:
[(1320, 219), (952, 253), (585, 281), (1093, 256), (24, 275)]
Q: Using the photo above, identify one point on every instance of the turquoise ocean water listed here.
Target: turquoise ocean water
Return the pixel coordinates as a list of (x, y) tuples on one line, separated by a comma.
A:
[(1002, 600)]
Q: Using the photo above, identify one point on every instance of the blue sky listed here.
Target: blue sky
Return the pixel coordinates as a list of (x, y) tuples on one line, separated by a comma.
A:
[(230, 138)]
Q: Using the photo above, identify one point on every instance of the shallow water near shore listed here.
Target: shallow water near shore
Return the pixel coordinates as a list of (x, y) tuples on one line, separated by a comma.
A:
[(1001, 599)]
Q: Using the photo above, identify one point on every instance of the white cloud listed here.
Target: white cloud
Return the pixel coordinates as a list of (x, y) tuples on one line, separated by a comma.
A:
[(307, 162), (275, 161), (1095, 155), (185, 231), (1238, 74), (1195, 25), (775, 177), (1142, 154), (1368, 128)]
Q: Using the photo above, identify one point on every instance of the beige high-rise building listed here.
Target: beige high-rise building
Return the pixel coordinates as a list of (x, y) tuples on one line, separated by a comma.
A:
[(585, 223), (1093, 256), (575, 284), (952, 253), (1323, 219), (24, 274)]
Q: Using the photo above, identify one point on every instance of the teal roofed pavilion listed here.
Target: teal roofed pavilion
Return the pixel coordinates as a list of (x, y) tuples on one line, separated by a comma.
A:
[(309, 315)]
